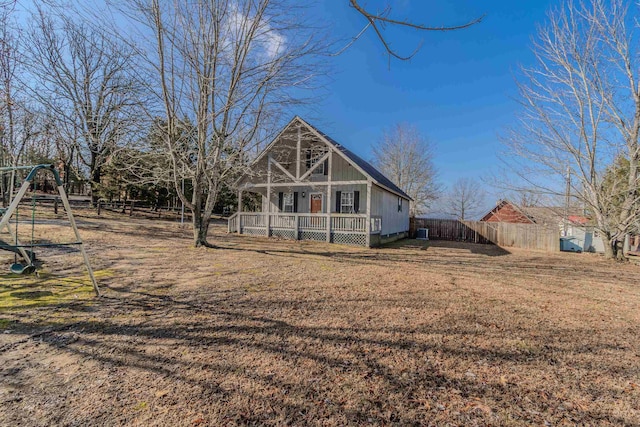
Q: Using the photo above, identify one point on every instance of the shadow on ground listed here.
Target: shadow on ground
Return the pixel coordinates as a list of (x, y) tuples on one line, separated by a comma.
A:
[(280, 333)]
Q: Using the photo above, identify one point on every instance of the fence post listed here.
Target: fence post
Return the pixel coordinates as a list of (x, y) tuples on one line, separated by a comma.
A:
[(131, 209), (55, 206), (99, 206)]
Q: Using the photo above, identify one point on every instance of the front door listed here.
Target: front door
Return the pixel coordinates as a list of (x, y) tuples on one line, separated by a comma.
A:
[(316, 203)]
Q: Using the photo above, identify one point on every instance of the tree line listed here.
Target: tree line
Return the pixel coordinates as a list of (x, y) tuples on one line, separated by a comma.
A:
[(579, 116), (160, 99), (173, 99)]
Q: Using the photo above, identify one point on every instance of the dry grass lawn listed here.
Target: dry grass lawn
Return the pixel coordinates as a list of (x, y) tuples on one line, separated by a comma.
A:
[(270, 332)]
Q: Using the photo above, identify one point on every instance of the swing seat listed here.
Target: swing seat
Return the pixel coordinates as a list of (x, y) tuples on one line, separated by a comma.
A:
[(4, 246), (17, 268)]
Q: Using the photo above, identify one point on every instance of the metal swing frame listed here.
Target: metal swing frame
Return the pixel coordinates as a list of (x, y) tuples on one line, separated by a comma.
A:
[(4, 223)]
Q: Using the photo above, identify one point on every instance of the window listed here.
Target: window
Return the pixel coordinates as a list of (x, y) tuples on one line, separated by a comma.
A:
[(346, 202), (313, 156), (399, 204), (287, 202)]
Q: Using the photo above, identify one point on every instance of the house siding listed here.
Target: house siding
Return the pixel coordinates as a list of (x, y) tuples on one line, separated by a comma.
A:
[(583, 239), (304, 203), (344, 171), (385, 204)]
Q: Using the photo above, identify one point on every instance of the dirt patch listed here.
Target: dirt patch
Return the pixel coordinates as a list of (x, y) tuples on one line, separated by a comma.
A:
[(277, 332)]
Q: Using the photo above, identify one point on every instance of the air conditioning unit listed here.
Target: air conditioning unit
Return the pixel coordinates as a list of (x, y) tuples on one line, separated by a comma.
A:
[(422, 234)]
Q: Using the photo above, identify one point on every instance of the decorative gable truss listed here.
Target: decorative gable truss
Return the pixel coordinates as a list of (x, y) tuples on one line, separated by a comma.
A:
[(296, 146), (302, 175)]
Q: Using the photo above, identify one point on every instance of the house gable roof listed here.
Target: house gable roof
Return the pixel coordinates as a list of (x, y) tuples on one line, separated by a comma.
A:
[(362, 165), (505, 203), (541, 215), (553, 215), (365, 166)]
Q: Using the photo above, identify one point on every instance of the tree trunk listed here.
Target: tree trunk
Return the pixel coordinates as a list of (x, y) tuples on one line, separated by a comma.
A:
[(613, 248), (67, 172), (619, 250), (96, 174), (5, 186), (200, 228), (202, 215), (608, 248), (124, 203)]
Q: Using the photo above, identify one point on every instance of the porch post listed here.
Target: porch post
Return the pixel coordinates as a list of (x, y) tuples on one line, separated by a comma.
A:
[(268, 219), (329, 191), (239, 210), (299, 152), (368, 228)]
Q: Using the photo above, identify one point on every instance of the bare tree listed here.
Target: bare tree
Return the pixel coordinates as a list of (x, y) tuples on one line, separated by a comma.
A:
[(85, 81), (466, 197), (8, 69), (19, 124), (406, 157), (379, 20), (527, 198), (581, 108), (225, 72)]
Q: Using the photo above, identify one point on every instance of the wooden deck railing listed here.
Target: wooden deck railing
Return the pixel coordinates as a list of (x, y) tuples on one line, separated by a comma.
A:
[(232, 223), (252, 220), (283, 221), (376, 224), (352, 223), (349, 223), (308, 222)]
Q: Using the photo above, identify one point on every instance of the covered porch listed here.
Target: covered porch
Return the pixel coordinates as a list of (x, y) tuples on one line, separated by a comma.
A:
[(350, 229)]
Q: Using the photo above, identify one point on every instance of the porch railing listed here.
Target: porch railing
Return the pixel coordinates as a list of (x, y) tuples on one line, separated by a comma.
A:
[(252, 220), (232, 223), (283, 221), (308, 222), (375, 224), (350, 223)]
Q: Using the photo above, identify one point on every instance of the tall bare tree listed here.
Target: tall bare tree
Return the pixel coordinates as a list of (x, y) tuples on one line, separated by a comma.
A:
[(85, 81), (19, 124), (8, 68), (581, 108), (404, 156), (378, 21), (465, 199), (225, 72)]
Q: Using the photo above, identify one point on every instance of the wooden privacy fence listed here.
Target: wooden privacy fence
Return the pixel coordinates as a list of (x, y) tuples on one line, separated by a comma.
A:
[(526, 236)]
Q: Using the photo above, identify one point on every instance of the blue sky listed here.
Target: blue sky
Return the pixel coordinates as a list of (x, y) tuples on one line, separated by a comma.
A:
[(458, 90)]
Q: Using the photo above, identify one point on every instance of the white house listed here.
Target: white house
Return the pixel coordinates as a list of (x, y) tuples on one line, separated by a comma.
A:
[(313, 188)]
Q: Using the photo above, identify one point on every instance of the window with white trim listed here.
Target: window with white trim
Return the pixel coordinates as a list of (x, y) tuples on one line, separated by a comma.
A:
[(346, 202), (287, 202), (315, 154), (399, 204)]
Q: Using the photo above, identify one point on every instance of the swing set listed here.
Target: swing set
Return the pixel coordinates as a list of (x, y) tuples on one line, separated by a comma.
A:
[(26, 251)]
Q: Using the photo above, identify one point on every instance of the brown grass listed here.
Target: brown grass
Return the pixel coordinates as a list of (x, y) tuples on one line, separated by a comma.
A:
[(275, 332)]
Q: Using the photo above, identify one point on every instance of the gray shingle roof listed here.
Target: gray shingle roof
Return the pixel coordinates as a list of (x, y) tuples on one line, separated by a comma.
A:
[(363, 164)]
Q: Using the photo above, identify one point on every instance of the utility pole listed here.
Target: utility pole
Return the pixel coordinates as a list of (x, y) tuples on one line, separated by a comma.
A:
[(567, 200)]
